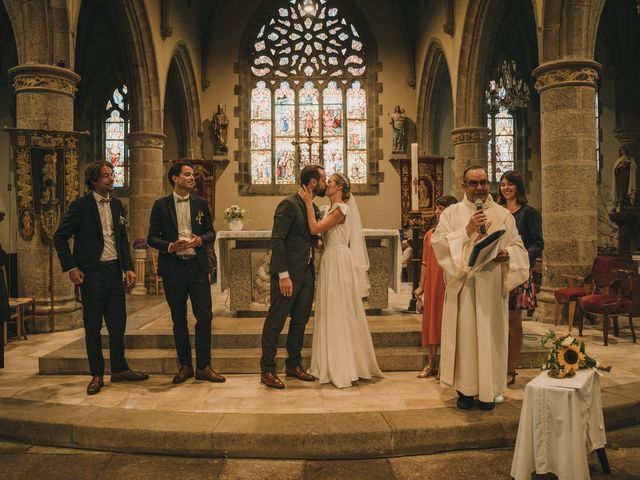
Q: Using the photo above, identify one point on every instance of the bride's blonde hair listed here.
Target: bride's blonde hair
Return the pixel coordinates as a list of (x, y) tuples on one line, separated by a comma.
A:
[(342, 180)]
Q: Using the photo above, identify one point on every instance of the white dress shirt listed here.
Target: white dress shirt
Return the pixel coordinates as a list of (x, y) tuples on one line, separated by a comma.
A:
[(109, 251), (183, 215)]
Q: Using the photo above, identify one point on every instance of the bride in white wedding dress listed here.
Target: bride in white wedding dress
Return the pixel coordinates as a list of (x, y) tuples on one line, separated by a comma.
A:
[(342, 350)]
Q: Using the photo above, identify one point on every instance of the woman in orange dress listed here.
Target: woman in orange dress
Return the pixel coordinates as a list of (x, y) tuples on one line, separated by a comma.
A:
[(433, 287)]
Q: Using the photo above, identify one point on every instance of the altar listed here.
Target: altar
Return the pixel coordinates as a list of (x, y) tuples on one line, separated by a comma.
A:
[(243, 268)]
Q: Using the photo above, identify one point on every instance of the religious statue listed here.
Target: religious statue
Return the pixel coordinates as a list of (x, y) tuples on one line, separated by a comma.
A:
[(220, 129), (49, 178), (262, 281), (399, 139), (624, 180)]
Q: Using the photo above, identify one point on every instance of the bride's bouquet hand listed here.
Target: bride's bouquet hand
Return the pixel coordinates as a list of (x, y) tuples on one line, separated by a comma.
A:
[(305, 194)]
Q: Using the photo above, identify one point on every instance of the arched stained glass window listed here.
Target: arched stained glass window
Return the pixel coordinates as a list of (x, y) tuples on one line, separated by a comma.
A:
[(501, 147), (308, 94), (116, 126)]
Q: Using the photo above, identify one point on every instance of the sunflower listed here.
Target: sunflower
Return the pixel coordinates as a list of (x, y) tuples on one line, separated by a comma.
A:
[(569, 358)]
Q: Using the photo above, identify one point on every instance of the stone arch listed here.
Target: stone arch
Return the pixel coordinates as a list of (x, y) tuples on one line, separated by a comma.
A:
[(476, 51), (42, 32), (570, 29), (182, 68), (435, 70), (374, 131), (141, 69)]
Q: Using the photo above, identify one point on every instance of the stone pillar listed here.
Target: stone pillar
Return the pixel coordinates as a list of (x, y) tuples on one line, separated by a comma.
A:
[(568, 142), (470, 144), (44, 101), (146, 179)]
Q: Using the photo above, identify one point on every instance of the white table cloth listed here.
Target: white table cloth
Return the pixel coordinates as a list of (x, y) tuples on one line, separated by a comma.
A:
[(560, 422)]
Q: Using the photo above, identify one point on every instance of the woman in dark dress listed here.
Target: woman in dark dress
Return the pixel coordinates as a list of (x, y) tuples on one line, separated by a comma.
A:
[(512, 196), (4, 299)]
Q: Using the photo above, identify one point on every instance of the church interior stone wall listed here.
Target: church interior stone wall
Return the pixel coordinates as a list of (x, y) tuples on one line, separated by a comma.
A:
[(433, 58)]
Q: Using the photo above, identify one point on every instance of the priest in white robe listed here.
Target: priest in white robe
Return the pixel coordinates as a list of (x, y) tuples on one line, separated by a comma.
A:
[(475, 321)]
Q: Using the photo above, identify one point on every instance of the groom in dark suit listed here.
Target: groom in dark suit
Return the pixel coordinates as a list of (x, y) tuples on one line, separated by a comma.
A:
[(292, 280), (100, 255), (180, 228)]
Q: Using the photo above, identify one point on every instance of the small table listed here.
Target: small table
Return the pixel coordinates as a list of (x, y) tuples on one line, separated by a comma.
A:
[(560, 422), (25, 309)]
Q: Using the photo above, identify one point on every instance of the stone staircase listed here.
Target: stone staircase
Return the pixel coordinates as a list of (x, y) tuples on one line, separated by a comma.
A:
[(238, 351)]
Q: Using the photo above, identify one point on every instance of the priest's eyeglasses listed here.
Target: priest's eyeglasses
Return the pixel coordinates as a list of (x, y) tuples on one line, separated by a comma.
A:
[(475, 183)]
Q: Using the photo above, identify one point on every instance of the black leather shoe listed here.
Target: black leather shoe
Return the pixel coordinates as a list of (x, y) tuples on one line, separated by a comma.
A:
[(183, 374), (95, 385), (486, 406), (464, 402), (299, 373), (128, 376)]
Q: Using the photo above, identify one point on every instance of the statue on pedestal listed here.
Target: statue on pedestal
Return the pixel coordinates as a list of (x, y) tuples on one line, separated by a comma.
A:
[(398, 123), (220, 130), (624, 180)]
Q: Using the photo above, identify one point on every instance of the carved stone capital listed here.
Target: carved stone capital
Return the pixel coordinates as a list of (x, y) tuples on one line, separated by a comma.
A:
[(146, 140), (44, 79), (470, 135), (564, 73)]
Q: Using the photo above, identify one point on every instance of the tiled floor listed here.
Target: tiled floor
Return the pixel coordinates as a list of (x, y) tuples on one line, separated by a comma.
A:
[(243, 393)]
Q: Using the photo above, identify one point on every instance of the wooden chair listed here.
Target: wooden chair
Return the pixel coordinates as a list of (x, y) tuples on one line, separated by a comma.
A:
[(576, 287), (621, 298), (20, 310), (157, 279)]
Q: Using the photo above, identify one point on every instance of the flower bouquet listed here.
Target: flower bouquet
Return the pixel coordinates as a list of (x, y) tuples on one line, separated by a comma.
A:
[(566, 356), (234, 212)]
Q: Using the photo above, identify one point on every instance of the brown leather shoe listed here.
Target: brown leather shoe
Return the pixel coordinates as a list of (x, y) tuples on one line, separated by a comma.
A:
[(128, 376), (183, 374), (95, 385), (209, 375), (270, 379), (299, 373)]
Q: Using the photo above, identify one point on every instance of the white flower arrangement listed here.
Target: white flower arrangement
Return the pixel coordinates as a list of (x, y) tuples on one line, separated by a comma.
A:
[(199, 217), (234, 212)]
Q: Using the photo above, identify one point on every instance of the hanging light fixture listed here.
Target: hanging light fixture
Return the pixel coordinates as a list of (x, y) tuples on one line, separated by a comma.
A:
[(516, 90), (493, 96)]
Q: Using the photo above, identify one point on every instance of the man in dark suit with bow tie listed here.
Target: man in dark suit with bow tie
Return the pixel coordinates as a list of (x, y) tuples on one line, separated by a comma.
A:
[(292, 280), (100, 255), (180, 228)]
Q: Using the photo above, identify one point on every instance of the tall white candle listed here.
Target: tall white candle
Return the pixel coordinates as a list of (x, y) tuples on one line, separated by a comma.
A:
[(414, 176)]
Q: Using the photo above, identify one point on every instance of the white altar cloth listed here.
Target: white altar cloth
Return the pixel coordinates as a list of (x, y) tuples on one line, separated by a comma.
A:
[(225, 240), (560, 422)]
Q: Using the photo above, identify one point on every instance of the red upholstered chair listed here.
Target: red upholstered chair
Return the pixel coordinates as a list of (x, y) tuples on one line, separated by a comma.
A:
[(621, 298), (570, 295)]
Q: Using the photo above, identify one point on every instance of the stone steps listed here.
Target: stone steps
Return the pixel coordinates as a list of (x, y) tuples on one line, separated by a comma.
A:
[(292, 436), (72, 360), (251, 338)]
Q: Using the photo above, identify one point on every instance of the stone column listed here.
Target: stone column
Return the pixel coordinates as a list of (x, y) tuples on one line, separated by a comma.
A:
[(568, 142), (146, 179), (470, 144), (44, 101)]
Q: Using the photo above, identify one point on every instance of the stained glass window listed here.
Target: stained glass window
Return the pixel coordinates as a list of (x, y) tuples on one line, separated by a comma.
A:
[(501, 147), (116, 126), (308, 97)]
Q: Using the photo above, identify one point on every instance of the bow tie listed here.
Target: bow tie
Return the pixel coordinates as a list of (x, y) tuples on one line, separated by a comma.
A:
[(183, 200), (104, 200)]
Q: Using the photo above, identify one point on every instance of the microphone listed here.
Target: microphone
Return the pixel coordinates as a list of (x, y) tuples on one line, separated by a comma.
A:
[(479, 208)]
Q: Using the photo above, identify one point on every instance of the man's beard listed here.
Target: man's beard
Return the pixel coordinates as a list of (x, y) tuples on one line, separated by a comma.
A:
[(319, 191)]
